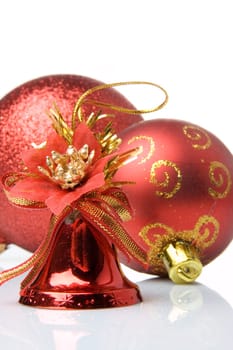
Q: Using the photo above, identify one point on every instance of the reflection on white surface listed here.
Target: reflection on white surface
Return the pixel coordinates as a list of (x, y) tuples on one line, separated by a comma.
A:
[(171, 316), (184, 301)]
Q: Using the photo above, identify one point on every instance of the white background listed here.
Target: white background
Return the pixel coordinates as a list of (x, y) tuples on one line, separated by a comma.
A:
[(186, 46)]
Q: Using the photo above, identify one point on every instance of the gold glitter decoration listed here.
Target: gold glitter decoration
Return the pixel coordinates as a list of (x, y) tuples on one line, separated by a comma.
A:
[(151, 143), (108, 140), (118, 161), (199, 137), (164, 185), (220, 177), (60, 125), (69, 169), (203, 235)]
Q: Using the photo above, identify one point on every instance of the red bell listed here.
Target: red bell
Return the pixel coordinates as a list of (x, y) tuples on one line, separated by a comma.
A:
[(80, 271)]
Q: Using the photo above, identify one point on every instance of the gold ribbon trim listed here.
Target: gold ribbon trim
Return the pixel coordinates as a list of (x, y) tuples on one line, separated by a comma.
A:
[(105, 210), (9, 180)]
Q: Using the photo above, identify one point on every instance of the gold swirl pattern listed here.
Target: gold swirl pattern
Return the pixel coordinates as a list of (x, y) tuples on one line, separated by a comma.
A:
[(151, 145), (220, 177), (199, 137), (158, 235), (206, 229), (163, 186)]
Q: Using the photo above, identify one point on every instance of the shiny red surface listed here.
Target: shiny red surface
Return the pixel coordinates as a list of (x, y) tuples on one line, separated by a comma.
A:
[(182, 211), (81, 272), (23, 120)]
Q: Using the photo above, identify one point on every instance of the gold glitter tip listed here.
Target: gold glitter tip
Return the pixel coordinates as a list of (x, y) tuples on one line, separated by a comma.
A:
[(118, 161), (60, 125)]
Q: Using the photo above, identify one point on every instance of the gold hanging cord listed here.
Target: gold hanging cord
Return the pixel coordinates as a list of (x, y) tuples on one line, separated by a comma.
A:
[(77, 112)]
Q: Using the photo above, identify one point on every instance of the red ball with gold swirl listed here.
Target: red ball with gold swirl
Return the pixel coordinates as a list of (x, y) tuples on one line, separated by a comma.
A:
[(182, 196), (24, 120)]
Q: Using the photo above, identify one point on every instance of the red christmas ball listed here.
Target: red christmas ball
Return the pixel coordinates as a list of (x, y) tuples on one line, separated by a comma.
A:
[(183, 190), (24, 120)]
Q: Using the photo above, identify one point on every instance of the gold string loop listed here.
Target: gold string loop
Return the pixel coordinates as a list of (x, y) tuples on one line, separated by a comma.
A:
[(77, 112)]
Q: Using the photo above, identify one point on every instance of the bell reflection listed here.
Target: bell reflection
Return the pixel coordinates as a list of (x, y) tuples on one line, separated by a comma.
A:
[(66, 330), (169, 317), (85, 329)]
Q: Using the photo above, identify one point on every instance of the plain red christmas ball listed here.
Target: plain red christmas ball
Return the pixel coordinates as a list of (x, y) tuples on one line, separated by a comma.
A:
[(23, 120), (183, 190)]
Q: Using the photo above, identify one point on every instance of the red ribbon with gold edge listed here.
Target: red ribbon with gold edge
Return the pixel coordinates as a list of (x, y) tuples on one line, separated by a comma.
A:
[(105, 209), (8, 181)]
